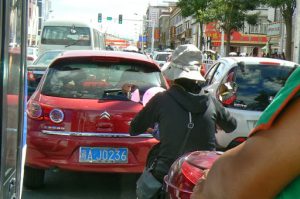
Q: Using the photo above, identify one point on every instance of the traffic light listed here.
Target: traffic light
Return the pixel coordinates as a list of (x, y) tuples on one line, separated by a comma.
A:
[(99, 17), (120, 19)]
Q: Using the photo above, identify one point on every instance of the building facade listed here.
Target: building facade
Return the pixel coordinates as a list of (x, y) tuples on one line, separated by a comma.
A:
[(38, 12)]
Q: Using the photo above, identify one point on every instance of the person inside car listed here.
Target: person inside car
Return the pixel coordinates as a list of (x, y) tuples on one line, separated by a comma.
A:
[(267, 165), (127, 83), (182, 104)]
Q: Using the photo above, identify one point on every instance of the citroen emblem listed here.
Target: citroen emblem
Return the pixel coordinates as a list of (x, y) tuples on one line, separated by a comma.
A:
[(105, 115)]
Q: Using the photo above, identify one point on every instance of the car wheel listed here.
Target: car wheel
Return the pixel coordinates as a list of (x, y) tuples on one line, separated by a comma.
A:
[(33, 178)]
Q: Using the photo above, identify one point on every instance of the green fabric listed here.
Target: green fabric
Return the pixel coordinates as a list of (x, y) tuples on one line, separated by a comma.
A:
[(292, 191)]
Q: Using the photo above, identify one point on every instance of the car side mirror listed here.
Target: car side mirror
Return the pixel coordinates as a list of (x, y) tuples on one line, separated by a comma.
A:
[(227, 93)]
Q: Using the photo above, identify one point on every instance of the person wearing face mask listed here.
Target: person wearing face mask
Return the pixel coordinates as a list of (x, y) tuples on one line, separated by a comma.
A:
[(181, 106)]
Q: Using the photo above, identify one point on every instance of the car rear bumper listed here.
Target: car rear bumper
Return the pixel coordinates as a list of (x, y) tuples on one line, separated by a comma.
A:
[(61, 151)]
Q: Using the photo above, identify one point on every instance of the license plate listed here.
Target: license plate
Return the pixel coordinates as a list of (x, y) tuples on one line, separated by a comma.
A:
[(103, 155)]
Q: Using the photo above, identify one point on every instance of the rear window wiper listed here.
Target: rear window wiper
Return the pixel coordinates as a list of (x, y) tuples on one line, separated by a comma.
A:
[(114, 94), (72, 44)]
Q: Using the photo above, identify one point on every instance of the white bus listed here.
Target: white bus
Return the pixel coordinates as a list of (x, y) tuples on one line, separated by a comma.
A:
[(70, 35)]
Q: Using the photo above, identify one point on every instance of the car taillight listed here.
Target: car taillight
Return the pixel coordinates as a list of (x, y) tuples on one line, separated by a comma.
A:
[(203, 70), (44, 112), (56, 115), (269, 63), (34, 110), (237, 141), (240, 139), (30, 58), (186, 171), (30, 76)]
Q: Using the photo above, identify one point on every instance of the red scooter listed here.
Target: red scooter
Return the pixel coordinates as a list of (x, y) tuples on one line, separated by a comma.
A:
[(186, 171)]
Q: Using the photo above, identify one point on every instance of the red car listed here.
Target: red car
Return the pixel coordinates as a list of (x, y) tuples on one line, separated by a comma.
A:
[(79, 116)]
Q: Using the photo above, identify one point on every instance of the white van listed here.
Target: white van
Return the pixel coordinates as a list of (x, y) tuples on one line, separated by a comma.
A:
[(70, 35)]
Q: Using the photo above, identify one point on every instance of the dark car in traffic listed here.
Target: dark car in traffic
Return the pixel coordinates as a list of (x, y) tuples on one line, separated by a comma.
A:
[(36, 70)]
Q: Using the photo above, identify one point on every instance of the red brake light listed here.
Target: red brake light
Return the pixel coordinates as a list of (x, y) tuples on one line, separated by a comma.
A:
[(269, 63), (106, 59), (203, 70), (30, 58), (30, 76), (34, 110), (186, 171), (192, 174), (240, 139), (42, 112)]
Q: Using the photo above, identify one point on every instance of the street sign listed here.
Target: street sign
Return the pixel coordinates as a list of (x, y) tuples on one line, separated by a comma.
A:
[(108, 18), (274, 29), (142, 39)]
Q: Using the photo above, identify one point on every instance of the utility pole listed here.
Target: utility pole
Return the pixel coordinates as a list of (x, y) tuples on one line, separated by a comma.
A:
[(143, 25), (199, 36), (282, 34), (296, 57), (152, 40), (222, 44)]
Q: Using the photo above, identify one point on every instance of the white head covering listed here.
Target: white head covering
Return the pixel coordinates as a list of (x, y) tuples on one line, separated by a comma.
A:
[(185, 63)]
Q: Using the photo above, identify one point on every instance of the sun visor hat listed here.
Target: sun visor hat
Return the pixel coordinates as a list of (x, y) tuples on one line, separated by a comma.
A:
[(185, 63)]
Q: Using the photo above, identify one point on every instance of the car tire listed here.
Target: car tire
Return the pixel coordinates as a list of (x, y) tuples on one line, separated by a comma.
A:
[(33, 178)]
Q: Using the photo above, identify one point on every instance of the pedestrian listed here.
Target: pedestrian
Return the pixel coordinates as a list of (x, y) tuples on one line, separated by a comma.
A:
[(186, 117), (267, 165), (283, 55), (205, 56)]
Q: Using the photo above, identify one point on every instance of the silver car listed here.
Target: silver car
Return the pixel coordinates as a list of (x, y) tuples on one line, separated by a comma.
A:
[(161, 57), (245, 86)]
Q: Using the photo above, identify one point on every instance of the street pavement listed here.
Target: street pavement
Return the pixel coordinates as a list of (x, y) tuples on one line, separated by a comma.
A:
[(79, 185)]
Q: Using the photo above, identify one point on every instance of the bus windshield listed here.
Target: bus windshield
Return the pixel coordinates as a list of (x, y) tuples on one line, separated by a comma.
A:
[(66, 35)]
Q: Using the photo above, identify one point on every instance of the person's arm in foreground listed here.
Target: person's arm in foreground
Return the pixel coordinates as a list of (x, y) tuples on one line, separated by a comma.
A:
[(260, 167), (145, 118), (224, 119)]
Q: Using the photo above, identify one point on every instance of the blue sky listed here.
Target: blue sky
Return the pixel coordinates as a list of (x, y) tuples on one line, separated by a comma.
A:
[(133, 10)]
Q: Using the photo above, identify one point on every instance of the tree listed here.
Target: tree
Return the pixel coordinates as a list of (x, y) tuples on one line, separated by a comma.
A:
[(197, 9), (230, 15), (287, 8)]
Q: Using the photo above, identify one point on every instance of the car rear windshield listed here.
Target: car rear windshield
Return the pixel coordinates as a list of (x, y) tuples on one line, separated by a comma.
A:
[(46, 58), (162, 57), (258, 85), (99, 80)]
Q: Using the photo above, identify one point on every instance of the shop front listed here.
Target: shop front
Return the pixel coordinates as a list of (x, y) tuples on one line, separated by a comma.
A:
[(244, 44)]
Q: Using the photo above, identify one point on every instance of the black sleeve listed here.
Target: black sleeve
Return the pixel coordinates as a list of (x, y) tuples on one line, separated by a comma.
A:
[(224, 118), (146, 117)]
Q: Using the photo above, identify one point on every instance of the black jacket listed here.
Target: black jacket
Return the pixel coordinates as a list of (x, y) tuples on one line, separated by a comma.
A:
[(170, 109)]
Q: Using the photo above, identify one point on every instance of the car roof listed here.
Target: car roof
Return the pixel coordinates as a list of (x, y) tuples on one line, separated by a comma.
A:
[(162, 52), (51, 51), (62, 22), (128, 56), (257, 60)]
